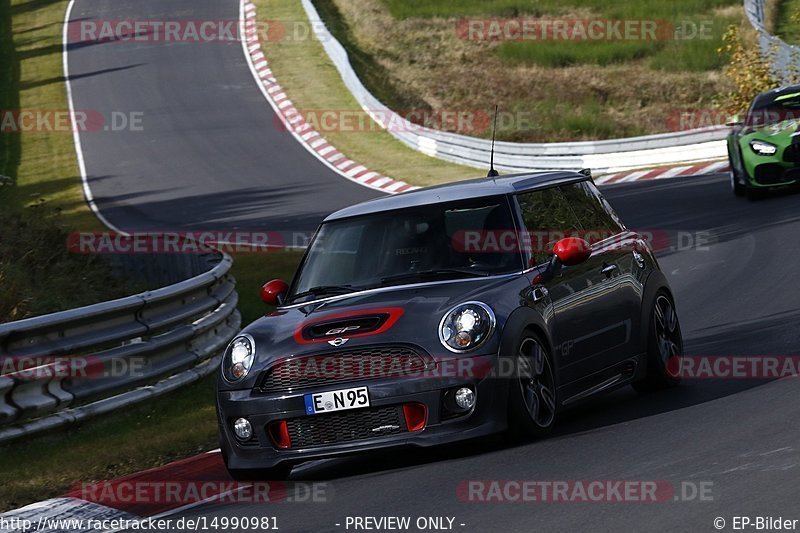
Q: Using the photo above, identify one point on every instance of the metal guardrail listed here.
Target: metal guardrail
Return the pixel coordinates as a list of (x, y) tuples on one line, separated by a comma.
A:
[(784, 58), (167, 337), (604, 156)]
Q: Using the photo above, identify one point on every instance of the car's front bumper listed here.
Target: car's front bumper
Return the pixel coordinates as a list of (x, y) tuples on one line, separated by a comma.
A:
[(442, 426)]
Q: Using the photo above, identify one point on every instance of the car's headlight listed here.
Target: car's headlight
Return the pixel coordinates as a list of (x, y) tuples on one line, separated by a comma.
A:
[(763, 148), (466, 326), (238, 357)]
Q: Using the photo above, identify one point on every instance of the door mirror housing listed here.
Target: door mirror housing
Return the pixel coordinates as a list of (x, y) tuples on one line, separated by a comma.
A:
[(735, 120), (274, 292), (572, 251)]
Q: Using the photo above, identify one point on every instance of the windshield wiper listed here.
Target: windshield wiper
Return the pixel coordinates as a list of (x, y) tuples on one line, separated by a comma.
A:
[(323, 289), (427, 274)]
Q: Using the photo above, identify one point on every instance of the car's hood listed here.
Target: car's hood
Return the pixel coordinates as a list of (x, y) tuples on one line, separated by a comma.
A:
[(780, 133), (413, 313)]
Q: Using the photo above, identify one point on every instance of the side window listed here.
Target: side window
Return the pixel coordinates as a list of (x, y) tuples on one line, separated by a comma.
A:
[(548, 218), (598, 220)]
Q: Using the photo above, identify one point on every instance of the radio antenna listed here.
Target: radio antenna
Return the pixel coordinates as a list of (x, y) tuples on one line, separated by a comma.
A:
[(492, 172)]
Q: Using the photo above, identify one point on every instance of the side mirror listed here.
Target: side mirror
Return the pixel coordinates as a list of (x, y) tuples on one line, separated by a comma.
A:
[(735, 120), (274, 292), (572, 251)]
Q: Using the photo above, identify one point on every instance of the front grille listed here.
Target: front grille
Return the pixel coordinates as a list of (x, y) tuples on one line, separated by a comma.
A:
[(319, 430), (791, 153), (341, 367), (771, 173)]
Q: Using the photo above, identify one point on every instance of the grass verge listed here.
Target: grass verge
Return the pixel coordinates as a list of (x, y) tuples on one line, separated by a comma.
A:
[(308, 76), (177, 425), (40, 178), (787, 21), (548, 91)]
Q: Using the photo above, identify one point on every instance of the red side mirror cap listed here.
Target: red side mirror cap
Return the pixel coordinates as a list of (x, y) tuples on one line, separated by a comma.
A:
[(572, 251), (273, 292)]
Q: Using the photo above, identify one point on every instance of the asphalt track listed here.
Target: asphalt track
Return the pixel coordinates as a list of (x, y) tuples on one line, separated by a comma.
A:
[(736, 296), (210, 158), (209, 154)]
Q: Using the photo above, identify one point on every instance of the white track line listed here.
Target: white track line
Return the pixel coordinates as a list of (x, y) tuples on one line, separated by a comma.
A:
[(76, 136), (268, 97)]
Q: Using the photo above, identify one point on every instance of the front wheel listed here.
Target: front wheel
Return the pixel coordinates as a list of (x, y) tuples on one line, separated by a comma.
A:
[(664, 347), (738, 188), (533, 397)]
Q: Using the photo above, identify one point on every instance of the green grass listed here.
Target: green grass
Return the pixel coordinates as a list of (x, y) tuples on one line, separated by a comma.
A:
[(175, 426), (551, 116), (403, 9), (42, 166), (667, 53), (38, 272), (302, 66), (787, 21), (371, 72), (691, 55), (559, 54), (166, 429), (253, 270)]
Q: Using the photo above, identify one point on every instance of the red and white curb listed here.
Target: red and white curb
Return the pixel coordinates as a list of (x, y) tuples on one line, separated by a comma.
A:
[(137, 498), (663, 173), (293, 120)]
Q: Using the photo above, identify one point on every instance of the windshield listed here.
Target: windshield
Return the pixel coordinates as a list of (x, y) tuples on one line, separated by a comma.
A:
[(781, 109), (406, 246)]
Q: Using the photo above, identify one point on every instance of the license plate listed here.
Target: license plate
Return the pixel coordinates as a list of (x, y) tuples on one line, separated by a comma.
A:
[(338, 400)]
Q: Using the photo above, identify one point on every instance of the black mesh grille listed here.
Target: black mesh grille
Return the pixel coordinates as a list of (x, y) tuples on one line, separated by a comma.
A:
[(792, 153), (342, 367), (319, 430)]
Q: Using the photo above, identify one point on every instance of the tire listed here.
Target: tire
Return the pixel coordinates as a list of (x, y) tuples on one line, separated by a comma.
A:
[(276, 473), (533, 401), (664, 346), (736, 185)]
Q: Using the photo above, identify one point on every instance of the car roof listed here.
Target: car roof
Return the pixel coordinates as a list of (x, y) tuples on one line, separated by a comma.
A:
[(460, 190), (767, 97)]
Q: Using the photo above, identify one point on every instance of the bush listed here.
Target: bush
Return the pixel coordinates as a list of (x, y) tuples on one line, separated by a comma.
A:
[(747, 69)]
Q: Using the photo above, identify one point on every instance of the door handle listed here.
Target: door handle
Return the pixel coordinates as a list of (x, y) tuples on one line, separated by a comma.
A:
[(608, 269)]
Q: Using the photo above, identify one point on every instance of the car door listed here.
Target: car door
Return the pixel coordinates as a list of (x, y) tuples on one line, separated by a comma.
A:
[(588, 325), (610, 283)]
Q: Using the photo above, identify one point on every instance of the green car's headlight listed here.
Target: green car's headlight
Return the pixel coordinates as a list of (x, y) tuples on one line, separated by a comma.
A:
[(238, 358), (763, 148)]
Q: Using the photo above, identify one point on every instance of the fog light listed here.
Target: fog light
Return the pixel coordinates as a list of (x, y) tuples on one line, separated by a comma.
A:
[(465, 398), (243, 429)]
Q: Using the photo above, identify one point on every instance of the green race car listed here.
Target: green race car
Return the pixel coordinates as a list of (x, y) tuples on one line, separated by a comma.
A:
[(764, 149)]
